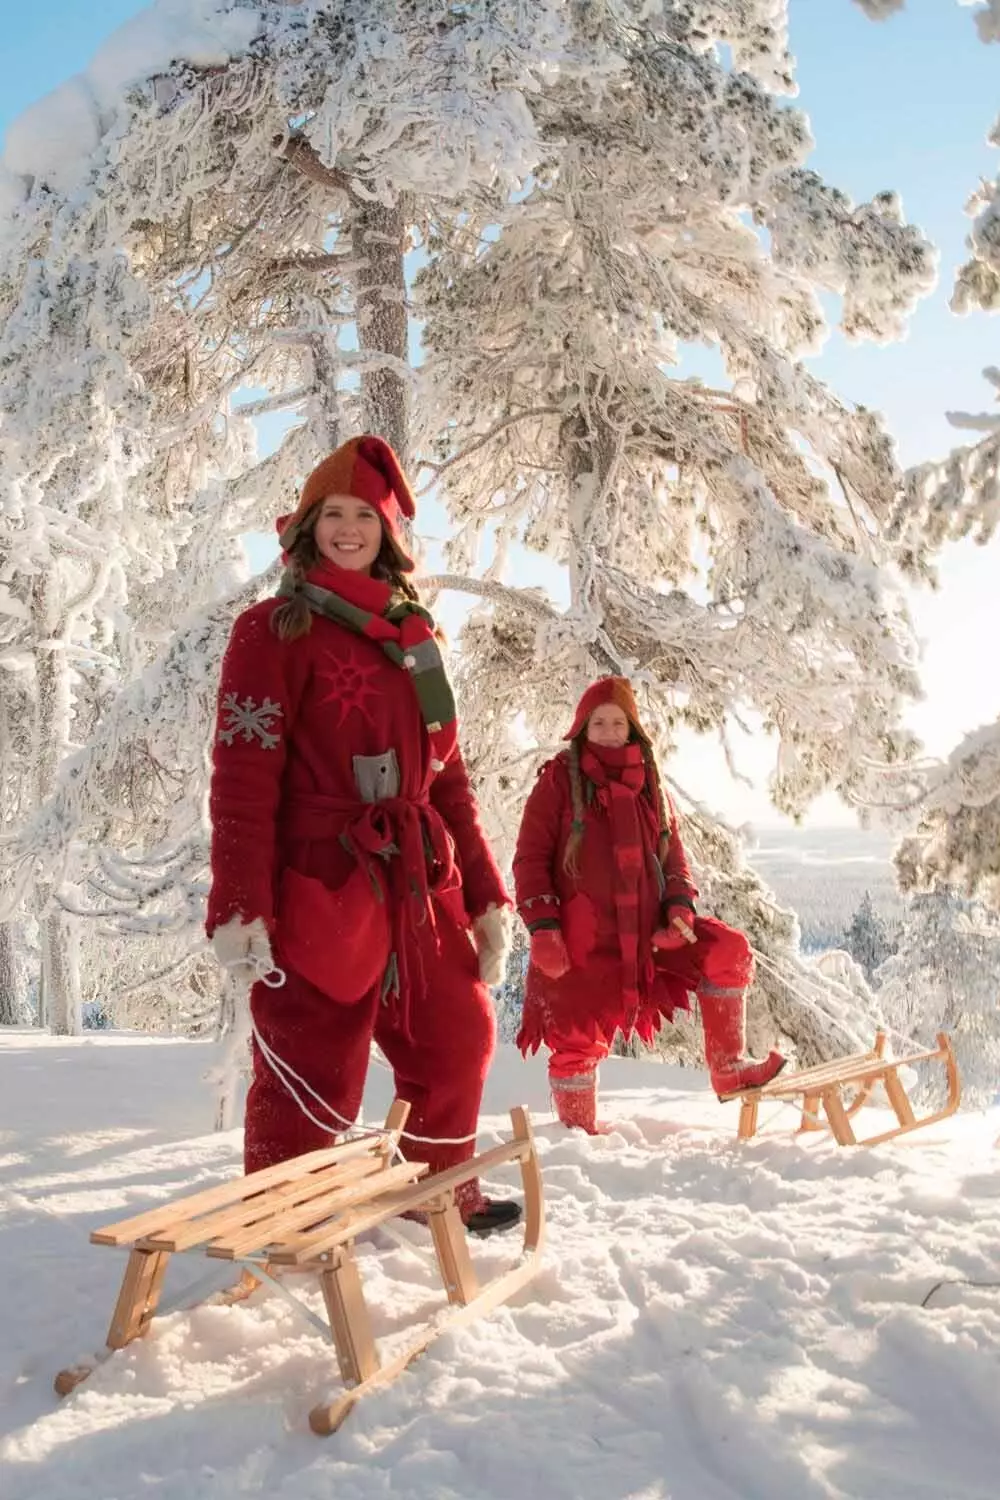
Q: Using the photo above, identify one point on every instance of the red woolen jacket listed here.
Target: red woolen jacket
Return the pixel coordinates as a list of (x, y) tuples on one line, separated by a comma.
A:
[(293, 716), (544, 886)]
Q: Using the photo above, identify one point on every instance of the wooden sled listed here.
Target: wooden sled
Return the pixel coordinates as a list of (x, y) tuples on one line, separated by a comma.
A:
[(307, 1213), (821, 1086)]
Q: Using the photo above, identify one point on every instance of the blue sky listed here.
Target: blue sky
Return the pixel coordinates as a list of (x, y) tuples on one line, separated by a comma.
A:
[(905, 104)]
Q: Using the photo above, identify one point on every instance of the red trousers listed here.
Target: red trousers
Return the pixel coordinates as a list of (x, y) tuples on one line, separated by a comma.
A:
[(440, 1072), (719, 962)]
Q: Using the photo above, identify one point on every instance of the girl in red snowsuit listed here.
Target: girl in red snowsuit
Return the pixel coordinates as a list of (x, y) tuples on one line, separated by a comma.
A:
[(347, 849), (604, 888)]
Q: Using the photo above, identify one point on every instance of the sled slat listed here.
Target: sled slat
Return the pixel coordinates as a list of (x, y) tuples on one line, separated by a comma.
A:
[(287, 1222), (255, 1214), (847, 1070), (166, 1215), (299, 1248)]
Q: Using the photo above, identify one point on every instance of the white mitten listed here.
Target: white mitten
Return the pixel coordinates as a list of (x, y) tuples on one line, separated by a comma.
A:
[(492, 935), (237, 942)]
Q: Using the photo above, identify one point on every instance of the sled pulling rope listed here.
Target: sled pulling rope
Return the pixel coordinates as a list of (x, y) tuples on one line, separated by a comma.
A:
[(820, 1087), (306, 1213), (242, 1027)]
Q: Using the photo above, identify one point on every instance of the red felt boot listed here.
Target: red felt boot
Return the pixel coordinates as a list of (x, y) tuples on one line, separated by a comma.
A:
[(575, 1100), (723, 1019)]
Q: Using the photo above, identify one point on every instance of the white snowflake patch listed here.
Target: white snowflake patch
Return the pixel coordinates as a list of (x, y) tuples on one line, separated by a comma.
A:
[(252, 721)]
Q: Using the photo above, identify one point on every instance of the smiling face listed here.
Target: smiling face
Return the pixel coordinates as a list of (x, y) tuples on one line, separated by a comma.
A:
[(348, 532), (608, 726)]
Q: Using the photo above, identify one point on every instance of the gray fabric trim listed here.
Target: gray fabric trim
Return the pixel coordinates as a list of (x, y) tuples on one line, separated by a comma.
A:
[(580, 1083)]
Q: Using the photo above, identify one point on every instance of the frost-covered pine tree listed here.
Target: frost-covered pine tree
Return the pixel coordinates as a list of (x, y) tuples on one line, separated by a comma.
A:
[(944, 977), (867, 938), (729, 546), (956, 805), (209, 232)]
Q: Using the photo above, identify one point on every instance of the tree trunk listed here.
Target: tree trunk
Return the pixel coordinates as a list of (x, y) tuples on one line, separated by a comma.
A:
[(59, 1002), (589, 451), (13, 1010), (379, 235), (60, 975)]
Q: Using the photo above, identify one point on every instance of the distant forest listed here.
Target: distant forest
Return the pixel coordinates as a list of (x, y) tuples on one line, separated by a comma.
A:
[(823, 874)]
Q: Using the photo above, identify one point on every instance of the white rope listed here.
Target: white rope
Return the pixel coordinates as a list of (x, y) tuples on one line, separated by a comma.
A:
[(274, 977)]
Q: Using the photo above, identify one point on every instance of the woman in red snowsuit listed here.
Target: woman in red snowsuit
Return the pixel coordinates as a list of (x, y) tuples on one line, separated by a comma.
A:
[(347, 849), (604, 888)]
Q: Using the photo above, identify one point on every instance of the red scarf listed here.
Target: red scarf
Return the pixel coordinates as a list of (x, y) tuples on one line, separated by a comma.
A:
[(405, 632), (619, 777)]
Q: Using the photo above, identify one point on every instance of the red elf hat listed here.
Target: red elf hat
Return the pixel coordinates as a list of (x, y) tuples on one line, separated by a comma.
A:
[(616, 690), (367, 468)]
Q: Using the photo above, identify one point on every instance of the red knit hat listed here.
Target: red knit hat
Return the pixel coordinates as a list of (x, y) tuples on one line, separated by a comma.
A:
[(367, 468), (616, 690)]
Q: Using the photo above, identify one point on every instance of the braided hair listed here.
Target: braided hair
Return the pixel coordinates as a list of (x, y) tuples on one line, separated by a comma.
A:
[(665, 813), (571, 855), (293, 617)]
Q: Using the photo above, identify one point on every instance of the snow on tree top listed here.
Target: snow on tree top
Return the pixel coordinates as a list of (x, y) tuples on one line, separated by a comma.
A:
[(54, 137)]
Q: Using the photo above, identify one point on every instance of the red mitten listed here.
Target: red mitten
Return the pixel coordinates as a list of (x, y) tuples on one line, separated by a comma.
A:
[(548, 952), (679, 932)]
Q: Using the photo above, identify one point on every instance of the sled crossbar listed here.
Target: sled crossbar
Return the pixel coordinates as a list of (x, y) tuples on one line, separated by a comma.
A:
[(820, 1087), (306, 1213)]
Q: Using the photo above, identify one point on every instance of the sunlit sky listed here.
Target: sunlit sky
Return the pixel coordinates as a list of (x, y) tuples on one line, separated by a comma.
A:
[(904, 105)]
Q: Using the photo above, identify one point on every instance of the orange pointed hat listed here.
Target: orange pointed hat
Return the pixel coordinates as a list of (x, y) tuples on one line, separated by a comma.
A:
[(367, 468), (617, 690)]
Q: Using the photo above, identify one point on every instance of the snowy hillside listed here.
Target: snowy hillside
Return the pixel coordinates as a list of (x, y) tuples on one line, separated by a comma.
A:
[(715, 1322)]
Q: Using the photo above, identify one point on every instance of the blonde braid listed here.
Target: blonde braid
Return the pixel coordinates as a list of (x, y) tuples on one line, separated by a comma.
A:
[(293, 617), (571, 857)]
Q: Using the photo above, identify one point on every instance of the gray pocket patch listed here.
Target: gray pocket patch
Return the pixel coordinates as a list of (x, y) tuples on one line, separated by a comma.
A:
[(376, 776)]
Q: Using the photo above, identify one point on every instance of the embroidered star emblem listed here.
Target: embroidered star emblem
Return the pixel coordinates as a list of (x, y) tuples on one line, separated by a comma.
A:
[(350, 688)]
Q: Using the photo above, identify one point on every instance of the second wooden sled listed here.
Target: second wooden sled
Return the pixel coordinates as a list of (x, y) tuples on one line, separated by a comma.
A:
[(820, 1087), (307, 1213)]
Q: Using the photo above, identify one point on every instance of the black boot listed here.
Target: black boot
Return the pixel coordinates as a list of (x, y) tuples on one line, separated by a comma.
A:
[(496, 1216), (482, 1216)]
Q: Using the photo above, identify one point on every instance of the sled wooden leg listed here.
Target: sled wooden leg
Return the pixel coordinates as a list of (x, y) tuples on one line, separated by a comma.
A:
[(68, 1380), (897, 1098), (748, 1119), (349, 1320), (810, 1113), (531, 1182), (837, 1115), (137, 1300), (326, 1419), (451, 1245)]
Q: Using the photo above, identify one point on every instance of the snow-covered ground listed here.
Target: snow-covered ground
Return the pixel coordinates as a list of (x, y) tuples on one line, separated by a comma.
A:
[(715, 1322)]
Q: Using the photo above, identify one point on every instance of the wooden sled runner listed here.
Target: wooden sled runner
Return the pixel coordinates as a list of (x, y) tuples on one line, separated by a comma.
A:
[(307, 1213), (821, 1086)]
